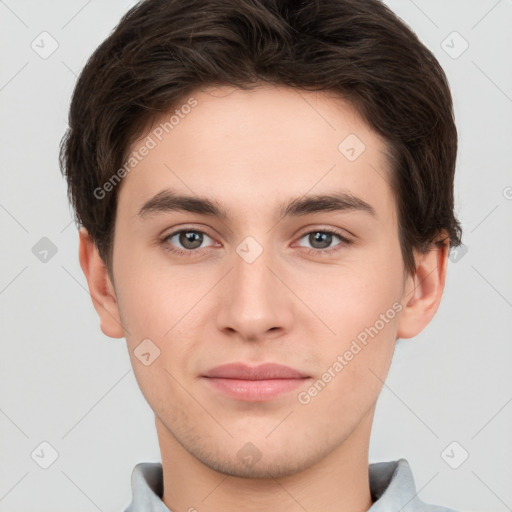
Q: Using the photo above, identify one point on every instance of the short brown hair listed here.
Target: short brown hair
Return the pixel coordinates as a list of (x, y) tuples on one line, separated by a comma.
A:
[(163, 50)]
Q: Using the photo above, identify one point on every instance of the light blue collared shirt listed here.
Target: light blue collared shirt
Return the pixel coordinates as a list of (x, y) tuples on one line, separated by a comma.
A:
[(391, 485)]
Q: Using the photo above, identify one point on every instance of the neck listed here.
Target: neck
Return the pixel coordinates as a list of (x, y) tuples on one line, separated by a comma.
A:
[(336, 483)]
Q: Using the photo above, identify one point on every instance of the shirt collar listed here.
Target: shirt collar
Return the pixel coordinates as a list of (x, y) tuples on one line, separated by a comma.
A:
[(391, 485)]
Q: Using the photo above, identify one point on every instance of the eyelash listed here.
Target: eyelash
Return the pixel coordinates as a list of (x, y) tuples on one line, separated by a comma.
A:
[(194, 252)]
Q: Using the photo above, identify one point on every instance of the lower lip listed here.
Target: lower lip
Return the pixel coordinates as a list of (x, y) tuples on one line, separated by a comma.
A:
[(254, 390)]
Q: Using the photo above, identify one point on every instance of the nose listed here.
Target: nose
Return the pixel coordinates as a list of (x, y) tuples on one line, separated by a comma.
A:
[(253, 299)]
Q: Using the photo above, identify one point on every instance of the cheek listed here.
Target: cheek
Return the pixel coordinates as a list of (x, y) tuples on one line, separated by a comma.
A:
[(360, 305), (353, 297), (169, 309), (356, 359), (154, 296)]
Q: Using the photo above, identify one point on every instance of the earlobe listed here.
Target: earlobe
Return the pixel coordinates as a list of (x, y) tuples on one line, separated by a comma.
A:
[(101, 288), (423, 291)]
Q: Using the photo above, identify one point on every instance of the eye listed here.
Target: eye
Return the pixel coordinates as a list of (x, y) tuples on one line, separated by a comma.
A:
[(189, 239), (322, 239)]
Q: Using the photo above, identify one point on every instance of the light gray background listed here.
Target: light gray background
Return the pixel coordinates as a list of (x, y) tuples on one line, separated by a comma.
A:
[(64, 382)]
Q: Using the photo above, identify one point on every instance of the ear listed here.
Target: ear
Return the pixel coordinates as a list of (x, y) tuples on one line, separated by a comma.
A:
[(100, 287), (423, 290)]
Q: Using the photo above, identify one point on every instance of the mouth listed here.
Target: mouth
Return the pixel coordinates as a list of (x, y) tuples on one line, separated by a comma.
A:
[(254, 383)]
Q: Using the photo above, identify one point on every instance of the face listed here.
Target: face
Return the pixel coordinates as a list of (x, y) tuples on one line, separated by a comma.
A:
[(259, 267)]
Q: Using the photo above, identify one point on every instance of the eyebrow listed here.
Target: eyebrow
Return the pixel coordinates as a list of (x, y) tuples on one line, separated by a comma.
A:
[(167, 201)]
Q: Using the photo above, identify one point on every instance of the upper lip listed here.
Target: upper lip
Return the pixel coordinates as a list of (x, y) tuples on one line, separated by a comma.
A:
[(261, 372)]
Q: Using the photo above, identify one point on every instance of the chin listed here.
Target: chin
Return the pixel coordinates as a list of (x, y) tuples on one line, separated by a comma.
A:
[(261, 469)]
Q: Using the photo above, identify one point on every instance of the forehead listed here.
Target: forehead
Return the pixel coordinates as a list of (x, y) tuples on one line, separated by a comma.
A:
[(267, 144)]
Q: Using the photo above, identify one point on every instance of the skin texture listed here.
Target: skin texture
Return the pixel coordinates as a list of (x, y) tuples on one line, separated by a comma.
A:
[(251, 152)]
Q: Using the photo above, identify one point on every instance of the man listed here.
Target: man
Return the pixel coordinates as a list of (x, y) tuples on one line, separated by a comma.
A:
[(265, 195)]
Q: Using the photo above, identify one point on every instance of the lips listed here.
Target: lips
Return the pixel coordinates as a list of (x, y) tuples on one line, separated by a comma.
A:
[(254, 383), (262, 372)]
